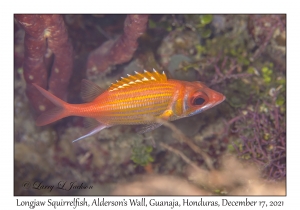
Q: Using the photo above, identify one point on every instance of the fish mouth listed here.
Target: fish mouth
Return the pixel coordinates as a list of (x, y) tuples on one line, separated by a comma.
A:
[(220, 100), (223, 99)]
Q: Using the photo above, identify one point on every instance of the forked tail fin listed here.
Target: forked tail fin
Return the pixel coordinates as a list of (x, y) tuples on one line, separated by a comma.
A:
[(60, 111)]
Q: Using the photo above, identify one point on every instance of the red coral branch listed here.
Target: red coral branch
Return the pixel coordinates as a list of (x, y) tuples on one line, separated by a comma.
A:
[(120, 50), (62, 66), (46, 35)]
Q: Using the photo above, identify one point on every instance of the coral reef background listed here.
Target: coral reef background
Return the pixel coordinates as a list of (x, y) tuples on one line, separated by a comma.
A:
[(236, 148)]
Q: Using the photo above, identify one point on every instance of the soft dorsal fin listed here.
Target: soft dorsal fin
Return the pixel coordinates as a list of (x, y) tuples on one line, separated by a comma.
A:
[(138, 78), (89, 90)]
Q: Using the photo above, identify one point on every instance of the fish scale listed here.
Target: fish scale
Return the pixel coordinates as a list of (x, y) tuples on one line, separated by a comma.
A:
[(132, 106)]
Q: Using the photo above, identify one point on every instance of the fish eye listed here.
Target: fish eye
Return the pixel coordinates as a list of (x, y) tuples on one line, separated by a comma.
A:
[(198, 101)]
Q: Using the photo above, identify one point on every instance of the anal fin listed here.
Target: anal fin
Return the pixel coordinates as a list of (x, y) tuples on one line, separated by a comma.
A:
[(92, 129)]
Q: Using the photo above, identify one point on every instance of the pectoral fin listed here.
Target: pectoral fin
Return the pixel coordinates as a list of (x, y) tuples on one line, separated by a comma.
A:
[(166, 115), (150, 127)]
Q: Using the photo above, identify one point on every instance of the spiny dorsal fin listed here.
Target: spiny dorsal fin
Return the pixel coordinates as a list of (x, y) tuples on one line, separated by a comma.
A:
[(138, 78), (89, 90)]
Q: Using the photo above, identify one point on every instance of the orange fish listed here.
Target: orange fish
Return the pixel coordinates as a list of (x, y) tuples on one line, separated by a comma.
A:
[(134, 100)]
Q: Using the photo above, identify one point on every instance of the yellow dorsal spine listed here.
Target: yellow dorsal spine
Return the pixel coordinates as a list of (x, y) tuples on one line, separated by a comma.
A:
[(137, 79)]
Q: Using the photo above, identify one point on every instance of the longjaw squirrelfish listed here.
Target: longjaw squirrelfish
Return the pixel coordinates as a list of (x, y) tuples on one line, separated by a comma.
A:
[(133, 100)]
